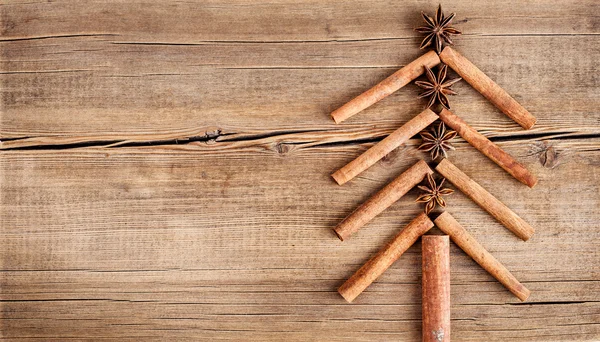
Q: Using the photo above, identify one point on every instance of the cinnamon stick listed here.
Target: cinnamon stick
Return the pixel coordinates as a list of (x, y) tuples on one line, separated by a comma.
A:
[(386, 87), (491, 150), (381, 149), (385, 258), (436, 288), (467, 243), (382, 200), (485, 200), (488, 88)]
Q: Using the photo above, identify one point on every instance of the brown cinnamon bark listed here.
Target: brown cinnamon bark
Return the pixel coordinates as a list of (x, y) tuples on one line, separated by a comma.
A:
[(381, 149), (491, 150), (467, 243), (386, 87), (488, 88), (436, 288), (385, 258), (382, 200), (485, 200)]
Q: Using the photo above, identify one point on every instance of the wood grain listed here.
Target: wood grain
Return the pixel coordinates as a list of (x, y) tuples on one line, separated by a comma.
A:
[(164, 170)]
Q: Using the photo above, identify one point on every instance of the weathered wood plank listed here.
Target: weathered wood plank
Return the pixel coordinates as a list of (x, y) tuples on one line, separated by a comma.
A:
[(153, 241), (165, 93), (286, 20), (123, 319), (135, 78)]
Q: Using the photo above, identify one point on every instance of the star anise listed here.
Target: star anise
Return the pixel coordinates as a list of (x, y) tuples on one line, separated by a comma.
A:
[(433, 194), (436, 88), (437, 141), (437, 30)]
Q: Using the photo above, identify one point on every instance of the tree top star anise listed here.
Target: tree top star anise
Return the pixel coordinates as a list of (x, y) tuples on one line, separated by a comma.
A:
[(436, 88), (437, 141), (433, 194), (437, 30)]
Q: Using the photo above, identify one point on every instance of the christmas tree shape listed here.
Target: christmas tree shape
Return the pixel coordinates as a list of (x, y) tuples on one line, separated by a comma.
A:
[(437, 141)]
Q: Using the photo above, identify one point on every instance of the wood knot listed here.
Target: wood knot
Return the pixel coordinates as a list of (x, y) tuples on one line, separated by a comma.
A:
[(282, 148), (549, 158)]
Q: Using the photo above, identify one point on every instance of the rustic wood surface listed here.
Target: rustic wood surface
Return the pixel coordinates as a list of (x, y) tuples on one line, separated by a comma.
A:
[(165, 170)]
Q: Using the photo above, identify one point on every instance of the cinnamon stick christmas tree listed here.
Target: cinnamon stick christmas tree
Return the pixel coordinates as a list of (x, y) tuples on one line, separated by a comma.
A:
[(436, 141)]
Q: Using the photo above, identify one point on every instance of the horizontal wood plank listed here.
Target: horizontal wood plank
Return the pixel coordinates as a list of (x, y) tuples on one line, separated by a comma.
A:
[(130, 79), (181, 241)]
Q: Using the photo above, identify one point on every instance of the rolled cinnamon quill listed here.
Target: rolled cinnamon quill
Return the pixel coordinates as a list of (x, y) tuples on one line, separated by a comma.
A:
[(467, 243), (382, 200), (491, 150), (485, 200), (387, 145), (436, 288), (386, 87), (385, 258), (488, 88)]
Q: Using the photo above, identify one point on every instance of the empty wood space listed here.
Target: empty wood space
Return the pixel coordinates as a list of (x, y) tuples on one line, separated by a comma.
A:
[(165, 170)]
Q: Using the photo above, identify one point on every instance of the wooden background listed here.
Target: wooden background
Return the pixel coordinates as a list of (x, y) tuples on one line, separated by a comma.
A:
[(165, 169)]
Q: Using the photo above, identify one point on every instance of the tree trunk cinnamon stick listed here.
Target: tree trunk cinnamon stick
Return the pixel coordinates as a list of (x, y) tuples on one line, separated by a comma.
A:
[(467, 243), (387, 145), (488, 88), (491, 150), (385, 258), (386, 87), (436, 288), (382, 200), (485, 200)]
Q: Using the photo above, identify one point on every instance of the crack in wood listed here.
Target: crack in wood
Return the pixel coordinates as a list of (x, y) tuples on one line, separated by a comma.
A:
[(340, 40), (302, 138), (58, 36), (554, 303)]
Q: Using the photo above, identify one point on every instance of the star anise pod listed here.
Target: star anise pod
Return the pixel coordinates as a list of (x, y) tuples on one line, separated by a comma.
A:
[(437, 30), (433, 194), (437, 141), (436, 88)]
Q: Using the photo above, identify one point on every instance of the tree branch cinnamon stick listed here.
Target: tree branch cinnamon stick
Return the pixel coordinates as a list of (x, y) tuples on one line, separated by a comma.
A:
[(382, 200), (436, 288), (386, 87), (387, 145), (485, 200), (467, 243), (385, 258), (491, 150), (488, 88)]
